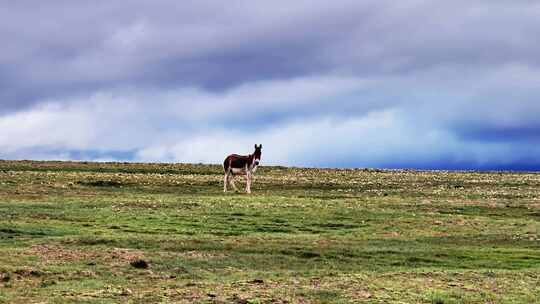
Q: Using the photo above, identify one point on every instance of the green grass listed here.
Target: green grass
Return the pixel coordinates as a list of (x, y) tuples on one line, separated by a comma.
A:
[(69, 231)]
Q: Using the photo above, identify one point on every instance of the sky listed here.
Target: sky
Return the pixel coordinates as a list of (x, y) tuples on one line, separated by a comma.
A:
[(379, 84)]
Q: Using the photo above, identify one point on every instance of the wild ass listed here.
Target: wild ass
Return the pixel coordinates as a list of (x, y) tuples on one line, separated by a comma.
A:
[(239, 164)]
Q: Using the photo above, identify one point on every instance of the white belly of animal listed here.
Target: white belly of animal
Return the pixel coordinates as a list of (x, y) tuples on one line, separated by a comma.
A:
[(238, 170)]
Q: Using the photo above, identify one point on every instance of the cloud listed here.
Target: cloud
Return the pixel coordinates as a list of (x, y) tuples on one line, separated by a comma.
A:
[(369, 83), (380, 139), (319, 121), (218, 46), (129, 118)]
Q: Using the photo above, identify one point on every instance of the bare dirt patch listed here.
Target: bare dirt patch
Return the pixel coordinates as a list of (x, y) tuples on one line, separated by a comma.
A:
[(55, 252), (195, 254), (59, 253)]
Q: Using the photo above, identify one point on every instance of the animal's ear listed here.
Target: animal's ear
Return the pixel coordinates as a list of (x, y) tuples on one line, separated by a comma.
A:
[(260, 146), (255, 146)]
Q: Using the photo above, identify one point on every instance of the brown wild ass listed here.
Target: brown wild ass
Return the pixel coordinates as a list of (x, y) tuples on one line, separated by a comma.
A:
[(239, 164)]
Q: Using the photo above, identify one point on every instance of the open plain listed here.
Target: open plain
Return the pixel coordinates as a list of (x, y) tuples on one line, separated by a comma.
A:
[(166, 233)]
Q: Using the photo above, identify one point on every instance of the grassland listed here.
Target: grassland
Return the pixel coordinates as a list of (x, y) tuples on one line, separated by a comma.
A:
[(73, 232)]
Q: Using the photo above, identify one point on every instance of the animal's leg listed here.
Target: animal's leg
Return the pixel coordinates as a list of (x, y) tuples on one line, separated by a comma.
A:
[(225, 181), (232, 182), (248, 182)]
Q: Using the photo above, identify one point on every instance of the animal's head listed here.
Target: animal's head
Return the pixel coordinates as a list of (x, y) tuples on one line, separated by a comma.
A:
[(257, 154)]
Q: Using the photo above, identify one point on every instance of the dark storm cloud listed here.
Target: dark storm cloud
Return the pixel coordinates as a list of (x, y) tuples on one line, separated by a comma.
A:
[(65, 47), (501, 134)]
